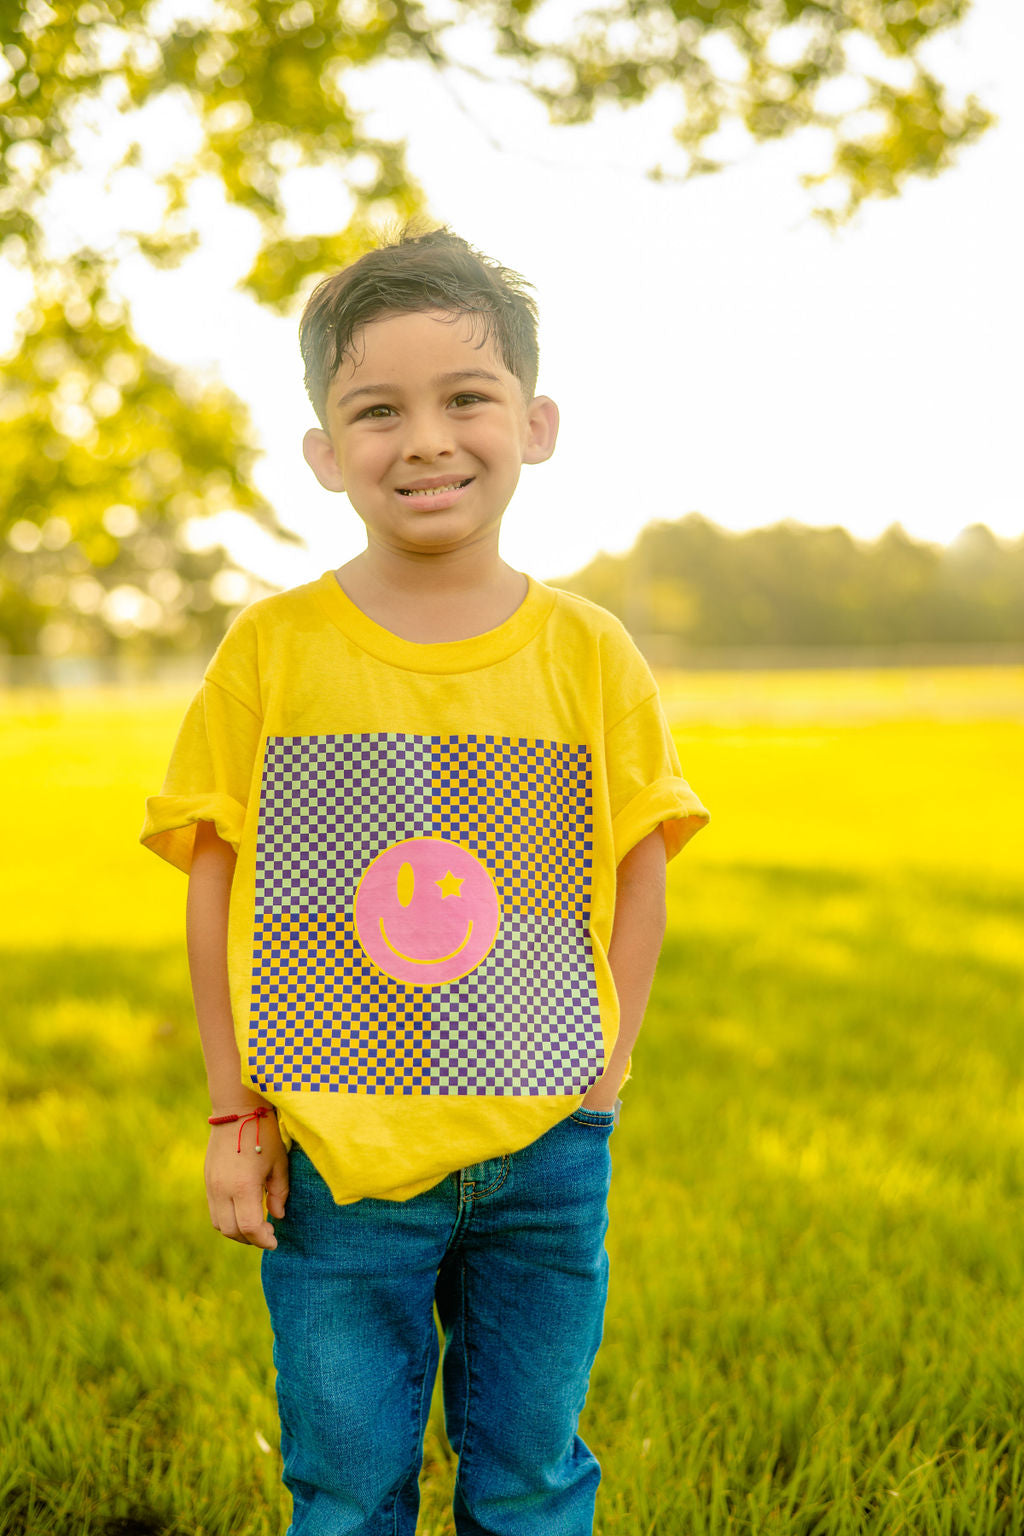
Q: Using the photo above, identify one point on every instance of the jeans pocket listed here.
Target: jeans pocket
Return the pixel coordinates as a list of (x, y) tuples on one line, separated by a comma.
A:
[(600, 1119)]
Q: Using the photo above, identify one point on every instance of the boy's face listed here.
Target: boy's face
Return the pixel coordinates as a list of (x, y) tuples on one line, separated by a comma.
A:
[(427, 433)]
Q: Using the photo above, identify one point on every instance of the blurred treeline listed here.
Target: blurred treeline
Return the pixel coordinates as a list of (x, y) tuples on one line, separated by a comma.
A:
[(696, 584), (684, 586)]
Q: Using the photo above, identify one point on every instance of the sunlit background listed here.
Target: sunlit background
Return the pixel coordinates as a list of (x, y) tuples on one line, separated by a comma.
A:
[(712, 347)]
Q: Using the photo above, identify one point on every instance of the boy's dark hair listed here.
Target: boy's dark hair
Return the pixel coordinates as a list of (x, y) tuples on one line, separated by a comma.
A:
[(432, 270)]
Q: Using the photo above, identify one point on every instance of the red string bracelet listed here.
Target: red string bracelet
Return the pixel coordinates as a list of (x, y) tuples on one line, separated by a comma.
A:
[(254, 1114)]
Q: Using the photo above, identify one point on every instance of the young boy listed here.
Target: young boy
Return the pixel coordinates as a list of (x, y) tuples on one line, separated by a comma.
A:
[(425, 804)]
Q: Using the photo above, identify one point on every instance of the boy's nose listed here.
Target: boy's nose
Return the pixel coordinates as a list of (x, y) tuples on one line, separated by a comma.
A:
[(426, 439)]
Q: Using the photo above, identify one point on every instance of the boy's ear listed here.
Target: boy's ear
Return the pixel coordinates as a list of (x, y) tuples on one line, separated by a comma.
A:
[(318, 452), (542, 429)]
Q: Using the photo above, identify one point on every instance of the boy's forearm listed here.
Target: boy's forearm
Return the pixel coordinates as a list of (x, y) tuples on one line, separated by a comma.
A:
[(637, 934), (206, 927)]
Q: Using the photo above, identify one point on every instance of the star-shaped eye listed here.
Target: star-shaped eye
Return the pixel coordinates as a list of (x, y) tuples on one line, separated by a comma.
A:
[(450, 885)]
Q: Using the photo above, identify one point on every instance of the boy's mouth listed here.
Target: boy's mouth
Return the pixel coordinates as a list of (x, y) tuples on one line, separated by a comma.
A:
[(433, 490)]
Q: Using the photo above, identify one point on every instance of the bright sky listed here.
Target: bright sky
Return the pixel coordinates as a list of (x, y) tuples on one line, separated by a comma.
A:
[(711, 347)]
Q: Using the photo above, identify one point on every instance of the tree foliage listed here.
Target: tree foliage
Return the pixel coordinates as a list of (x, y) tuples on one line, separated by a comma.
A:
[(696, 584), (112, 452), (265, 83)]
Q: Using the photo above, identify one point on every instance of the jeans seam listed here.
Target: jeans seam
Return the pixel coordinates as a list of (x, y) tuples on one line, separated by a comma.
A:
[(420, 1423), (464, 1437), (463, 1203)]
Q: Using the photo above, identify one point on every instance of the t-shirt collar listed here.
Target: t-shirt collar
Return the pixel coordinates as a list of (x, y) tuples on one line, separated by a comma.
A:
[(444, 655)]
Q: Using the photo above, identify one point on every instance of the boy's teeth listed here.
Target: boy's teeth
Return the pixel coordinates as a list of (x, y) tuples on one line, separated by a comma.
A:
[(438, 490)]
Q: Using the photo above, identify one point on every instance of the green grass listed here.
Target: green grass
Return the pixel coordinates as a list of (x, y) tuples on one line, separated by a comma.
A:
[(815, 1324)]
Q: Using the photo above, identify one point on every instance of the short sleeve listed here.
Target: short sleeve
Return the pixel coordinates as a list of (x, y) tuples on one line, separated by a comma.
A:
[(646, 784), (209, 777)]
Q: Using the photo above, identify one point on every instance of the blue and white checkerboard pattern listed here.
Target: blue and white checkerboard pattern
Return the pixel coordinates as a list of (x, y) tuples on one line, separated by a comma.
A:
[(526, 1020)]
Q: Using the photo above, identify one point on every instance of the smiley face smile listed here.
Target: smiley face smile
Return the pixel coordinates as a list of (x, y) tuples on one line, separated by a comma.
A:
[(415, 960)]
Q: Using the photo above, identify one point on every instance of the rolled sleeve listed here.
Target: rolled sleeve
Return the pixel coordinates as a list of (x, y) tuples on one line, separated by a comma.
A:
[(209, 776), (646, 784), (670, 804)]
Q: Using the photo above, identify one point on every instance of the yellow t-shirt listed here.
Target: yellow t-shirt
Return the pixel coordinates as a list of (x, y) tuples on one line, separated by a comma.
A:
[(427, 838)]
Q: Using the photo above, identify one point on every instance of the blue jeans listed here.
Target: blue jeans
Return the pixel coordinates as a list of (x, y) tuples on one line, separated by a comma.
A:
[(512, 1251)]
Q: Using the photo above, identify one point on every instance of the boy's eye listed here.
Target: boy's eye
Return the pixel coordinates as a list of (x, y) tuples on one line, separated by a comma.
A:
[(467, 399), (372, 412)]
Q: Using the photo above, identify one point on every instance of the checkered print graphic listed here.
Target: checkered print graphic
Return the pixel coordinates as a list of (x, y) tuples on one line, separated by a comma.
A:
[(323, 1017), (305, 1030), (516, 805), (331, 803), (525, 1021)]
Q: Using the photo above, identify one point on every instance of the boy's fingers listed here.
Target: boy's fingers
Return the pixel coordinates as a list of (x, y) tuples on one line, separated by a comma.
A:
[(252, 1225), (232, 1215), (222, 1215)]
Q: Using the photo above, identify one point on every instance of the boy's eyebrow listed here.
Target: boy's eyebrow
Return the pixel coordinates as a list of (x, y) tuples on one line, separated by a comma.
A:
[(441, 378)]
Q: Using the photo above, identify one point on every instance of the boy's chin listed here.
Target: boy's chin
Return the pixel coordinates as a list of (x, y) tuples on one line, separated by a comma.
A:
[(436, 533)]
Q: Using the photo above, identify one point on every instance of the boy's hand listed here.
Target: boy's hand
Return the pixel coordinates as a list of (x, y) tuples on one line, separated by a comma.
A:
[(235, 1180), (599, 1098)]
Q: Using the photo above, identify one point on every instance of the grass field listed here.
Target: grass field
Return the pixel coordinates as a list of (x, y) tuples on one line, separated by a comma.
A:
[(816, 1323)]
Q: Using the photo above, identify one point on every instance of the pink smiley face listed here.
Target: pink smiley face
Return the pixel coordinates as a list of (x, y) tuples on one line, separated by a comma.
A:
[(426, 911)]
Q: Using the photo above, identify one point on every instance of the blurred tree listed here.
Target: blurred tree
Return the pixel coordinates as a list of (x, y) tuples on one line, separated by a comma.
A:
[(901, 573), (265, 83), (111, 451)]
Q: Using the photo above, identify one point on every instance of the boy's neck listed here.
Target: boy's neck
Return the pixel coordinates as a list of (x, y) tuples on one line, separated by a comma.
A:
[(429, 599)]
